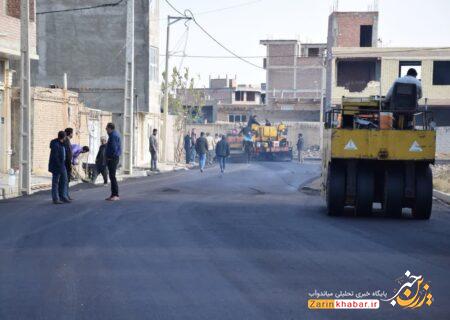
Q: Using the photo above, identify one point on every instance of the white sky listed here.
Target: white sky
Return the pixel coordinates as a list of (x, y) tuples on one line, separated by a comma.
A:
[(408, 23)]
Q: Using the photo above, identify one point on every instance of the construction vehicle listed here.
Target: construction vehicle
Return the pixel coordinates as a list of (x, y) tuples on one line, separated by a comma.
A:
[(270, 143), (377, 152)]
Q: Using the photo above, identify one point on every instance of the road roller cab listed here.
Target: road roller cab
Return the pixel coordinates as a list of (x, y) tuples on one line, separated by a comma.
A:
[(379, 152)]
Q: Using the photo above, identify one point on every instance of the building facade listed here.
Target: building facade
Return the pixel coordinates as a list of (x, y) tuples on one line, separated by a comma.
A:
[(9, 68), (357, 67), (295, 76)]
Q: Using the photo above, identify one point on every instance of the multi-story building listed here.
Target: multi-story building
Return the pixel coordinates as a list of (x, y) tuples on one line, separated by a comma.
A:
[(90, 46), (9, 63), (295, 77), (225, 100), (357, 67)]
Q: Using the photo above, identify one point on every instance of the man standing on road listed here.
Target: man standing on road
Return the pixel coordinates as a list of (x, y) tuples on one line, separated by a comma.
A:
[(154, 150), (211, 146), (187, 148), (222, 152), (201, 147), (113, 153), (300, 144), (57, 166), (68, 159), (100, 162)]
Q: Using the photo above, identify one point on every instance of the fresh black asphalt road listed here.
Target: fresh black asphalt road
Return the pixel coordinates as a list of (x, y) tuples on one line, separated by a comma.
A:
[(187, 245)]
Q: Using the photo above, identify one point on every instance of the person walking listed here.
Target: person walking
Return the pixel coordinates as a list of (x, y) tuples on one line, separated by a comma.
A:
[(68, 159), (201, 147), (211, 147), (57, 166), (100, 162), (113, 153), (222, 152), (187, 148), (300, 145), (154, 150)]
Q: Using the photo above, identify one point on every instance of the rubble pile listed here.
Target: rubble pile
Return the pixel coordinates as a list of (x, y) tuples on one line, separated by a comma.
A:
[(313, 152)]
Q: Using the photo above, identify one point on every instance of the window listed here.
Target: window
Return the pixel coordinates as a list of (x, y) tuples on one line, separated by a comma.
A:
[(153, 64), (404, 66), (239, 96), (237, 118), (354, 75), (441, 73), (2, 73), (365, 39), (251, 96), (313, 52)]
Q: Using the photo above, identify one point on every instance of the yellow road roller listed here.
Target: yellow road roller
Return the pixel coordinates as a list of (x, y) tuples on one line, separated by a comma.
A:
[(379, 152)]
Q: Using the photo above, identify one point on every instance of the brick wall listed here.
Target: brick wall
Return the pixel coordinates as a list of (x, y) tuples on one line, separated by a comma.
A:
[(53, 111), (13, 8), (10, 28), (345, 27)]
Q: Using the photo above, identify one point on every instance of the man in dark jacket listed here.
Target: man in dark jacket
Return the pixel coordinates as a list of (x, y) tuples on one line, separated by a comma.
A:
[(56, 165), (113, 153), (300, 145), (69, 155), (222, 152), (201, 146), (100, 162), (187, 148)]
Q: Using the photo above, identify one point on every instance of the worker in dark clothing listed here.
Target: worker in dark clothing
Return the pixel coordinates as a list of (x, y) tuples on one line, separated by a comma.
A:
[(300, 145), (201, 147), (248, 146), (222, 152), (56, 165), (68, 159), (100, 162), (113, 153), (187, 148)]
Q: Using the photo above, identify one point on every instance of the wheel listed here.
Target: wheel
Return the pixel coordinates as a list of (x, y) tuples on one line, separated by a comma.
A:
[(393, 191), (336, 189), (365, 190), (423, 202)]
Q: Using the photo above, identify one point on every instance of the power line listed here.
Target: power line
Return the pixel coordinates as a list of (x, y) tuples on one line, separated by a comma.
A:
[(104, 5), (188, 13)]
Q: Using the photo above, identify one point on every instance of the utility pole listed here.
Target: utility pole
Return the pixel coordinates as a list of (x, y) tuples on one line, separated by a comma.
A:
[(128, 128), (25, 101), (170, 20)]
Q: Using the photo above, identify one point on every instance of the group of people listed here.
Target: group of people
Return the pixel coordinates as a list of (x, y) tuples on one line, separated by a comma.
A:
[(64, 156), (207, 148)]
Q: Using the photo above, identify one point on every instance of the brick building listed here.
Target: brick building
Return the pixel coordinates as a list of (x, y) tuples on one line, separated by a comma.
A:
[(9, 64), (357, 67), (294, 77)]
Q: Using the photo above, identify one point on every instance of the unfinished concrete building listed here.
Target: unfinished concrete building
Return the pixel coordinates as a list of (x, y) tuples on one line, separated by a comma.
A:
[(9, 68), (295, 77), (90, 46), (357, 67)]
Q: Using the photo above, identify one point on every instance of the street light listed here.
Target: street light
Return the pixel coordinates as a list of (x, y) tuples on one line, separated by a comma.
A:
[(170, 20)]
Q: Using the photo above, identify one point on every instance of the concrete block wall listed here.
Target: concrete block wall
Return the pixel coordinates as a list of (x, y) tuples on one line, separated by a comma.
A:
[(443, 142)]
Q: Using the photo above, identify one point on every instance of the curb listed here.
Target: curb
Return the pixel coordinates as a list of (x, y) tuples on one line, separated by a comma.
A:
[(445, 197)]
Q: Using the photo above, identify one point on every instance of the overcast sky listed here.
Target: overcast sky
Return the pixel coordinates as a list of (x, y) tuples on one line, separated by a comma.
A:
[(407, 23)]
